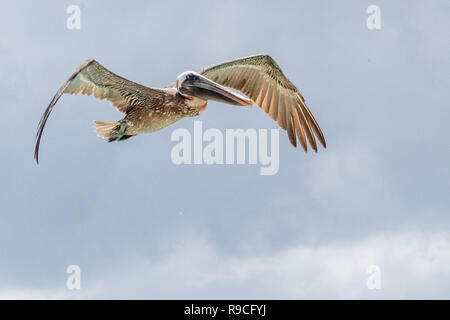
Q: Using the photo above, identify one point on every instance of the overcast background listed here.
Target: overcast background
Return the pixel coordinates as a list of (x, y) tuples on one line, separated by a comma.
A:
[(141, 227)]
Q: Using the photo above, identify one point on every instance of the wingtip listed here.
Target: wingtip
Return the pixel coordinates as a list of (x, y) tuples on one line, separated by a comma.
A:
[(36, 154), (304, 147)]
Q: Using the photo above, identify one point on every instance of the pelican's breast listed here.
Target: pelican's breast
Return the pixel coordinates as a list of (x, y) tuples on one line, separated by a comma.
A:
[(163, 113)]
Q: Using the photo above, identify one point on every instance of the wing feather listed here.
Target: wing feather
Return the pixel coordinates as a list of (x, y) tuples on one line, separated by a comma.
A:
[(273, 109), (268, 98), (262, 93), (92, 78), (307, 128), (261, 79), (282, 109), (300, 131), (291, 130)]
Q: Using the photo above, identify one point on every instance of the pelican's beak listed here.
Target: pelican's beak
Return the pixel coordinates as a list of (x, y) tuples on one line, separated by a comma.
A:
[(196, 85)]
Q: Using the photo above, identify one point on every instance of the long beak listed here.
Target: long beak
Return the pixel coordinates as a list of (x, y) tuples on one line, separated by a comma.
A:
[(203, 88)]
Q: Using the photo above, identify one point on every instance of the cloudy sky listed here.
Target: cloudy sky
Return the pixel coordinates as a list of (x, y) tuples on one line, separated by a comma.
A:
[(139, 226)]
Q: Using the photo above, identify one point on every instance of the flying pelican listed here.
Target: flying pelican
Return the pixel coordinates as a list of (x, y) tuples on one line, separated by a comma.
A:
[(149, 109)]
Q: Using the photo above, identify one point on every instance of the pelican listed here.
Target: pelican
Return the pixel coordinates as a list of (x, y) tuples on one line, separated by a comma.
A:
[(258, 78)]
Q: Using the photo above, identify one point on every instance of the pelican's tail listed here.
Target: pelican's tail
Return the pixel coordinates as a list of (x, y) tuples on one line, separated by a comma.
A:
[(113, 131), (105, 129)]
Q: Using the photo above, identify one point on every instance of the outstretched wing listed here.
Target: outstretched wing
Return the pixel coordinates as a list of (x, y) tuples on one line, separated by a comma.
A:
[(92, 78), (261, 79)]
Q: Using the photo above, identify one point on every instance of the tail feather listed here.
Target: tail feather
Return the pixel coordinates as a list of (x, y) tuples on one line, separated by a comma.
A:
[(113, 131), (106, 129)]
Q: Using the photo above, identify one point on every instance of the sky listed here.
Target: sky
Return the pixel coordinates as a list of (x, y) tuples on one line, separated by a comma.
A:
[(140, 227)]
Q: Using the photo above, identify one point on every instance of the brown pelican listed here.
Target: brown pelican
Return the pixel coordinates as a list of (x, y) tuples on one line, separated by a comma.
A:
[(149, 109)]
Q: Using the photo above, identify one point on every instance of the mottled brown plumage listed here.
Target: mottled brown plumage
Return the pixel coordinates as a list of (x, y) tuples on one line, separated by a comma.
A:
[(150, 109)]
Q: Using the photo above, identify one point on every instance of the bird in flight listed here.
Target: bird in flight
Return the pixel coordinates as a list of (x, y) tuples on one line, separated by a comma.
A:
[(147, 109)]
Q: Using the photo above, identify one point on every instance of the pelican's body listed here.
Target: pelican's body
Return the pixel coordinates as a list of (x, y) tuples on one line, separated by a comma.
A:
[(164, 107), (149, 109)]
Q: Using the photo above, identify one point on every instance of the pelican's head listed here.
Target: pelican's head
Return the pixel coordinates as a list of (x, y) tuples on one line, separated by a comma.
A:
[(190, 84)]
